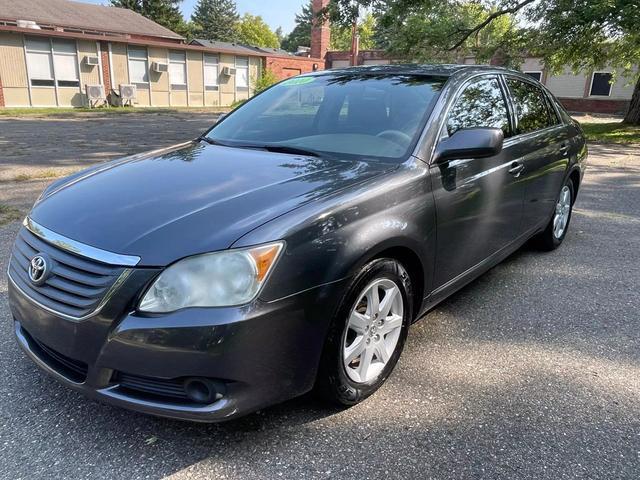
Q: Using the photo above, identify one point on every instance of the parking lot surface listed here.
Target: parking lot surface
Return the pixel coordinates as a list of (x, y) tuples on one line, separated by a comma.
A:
[(531, 371)]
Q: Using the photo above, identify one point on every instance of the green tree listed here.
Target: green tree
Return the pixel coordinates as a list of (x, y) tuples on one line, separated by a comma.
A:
[(300, 36), (252, 30), (580, 34), (164, 12), (216, 20), (279, 34), (341, 35)]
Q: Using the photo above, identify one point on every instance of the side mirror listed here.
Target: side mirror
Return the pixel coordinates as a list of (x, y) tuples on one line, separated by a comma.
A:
[(220, 117), (470, 143)]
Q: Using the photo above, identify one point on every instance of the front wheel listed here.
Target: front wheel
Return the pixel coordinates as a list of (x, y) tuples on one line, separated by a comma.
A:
[(367, 335), (556, 230)]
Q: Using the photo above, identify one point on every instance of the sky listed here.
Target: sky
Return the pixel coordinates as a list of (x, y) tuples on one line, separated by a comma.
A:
[(277, 13)]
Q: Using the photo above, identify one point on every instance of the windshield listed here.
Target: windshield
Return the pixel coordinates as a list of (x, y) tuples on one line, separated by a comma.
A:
[(347, 113)]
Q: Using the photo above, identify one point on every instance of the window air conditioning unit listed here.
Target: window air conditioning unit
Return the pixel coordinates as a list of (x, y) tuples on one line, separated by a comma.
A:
[(159, 67), (229, 71), (127, 94), (92, 61)]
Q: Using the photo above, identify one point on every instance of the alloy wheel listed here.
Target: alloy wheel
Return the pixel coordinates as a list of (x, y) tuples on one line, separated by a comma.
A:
[(374, 327), (563, 211)]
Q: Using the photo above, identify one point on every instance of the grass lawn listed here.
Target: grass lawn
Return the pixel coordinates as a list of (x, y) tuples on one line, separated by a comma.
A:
[(53, 111), (612, 132)]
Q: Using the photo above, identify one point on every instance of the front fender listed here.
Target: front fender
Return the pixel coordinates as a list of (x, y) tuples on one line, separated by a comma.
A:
[(329, 240)]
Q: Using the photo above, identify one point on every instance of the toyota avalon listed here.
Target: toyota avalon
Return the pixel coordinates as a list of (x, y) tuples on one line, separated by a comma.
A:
[(290, 247)]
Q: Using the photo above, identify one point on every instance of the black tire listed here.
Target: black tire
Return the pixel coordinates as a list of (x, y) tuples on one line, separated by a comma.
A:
[(547, 240), (333, 383)]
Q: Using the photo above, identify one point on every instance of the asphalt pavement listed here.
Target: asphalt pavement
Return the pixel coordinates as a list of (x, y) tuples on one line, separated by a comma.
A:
[(532, 371)]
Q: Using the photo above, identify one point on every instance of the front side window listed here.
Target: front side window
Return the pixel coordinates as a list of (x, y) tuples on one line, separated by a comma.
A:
[(138, 66), (531, 108), (51, 61), (178, 70), (601, 84), (481, 104), (346, 114), (242, 73), (211, 72)]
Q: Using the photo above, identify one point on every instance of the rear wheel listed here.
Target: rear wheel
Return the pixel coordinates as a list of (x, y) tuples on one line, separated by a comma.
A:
[(367, 335), (556, 230)]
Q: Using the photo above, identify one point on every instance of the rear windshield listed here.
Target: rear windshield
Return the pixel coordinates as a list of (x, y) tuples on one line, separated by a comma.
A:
[(349, 114)]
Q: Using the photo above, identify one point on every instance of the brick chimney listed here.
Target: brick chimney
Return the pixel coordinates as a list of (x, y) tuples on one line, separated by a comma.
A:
[(320, 32)]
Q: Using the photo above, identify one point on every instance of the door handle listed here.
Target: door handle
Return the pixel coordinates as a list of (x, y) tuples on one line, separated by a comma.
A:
[(516, 168), (564, 148)]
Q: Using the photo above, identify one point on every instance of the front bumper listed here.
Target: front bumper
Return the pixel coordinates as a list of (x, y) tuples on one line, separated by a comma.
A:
[(261, 354)]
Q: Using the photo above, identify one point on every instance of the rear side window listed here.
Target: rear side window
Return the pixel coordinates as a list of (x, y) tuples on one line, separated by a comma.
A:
[(481, 104), (531, 108)]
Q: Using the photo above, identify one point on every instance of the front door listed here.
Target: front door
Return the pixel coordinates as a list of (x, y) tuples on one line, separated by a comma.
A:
[(478, 200)]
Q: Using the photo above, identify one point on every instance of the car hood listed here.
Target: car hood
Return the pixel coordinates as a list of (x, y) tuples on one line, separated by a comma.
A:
[(188, 199)]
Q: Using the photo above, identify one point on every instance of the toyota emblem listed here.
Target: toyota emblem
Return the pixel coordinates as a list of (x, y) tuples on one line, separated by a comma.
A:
[(38, 270)]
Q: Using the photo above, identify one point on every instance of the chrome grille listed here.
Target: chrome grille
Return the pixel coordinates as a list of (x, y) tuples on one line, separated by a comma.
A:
[(77, 285)]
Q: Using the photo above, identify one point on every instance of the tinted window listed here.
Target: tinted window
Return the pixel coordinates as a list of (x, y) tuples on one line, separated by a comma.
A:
[(356, 114), (601, 84), (530, 105), (481, 104)]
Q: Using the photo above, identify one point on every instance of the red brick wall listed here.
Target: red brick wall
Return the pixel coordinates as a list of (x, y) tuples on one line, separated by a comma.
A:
[(1, 95), (320, 32), (285, 67), (106, 75), (589, 105)]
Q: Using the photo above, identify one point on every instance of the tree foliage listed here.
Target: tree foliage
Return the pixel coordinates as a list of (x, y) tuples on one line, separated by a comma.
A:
[(216, 20), (252, 30), (578, 34), (300, 36), (341, 35), (164, 12)]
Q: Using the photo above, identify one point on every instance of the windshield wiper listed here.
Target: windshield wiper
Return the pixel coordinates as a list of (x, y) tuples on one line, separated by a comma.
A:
[(265, 146), (211, 141), (269, 147)]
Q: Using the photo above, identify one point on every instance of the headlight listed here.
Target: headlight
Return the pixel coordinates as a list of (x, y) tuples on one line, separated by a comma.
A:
[(220, 279)]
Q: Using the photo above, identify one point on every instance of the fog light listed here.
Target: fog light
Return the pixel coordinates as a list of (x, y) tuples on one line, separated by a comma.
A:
[(203, 390)]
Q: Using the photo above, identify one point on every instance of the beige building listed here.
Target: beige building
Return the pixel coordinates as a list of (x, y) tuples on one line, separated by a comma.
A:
[(53, 51)]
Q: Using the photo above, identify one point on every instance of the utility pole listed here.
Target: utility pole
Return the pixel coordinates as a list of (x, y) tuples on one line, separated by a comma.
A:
[(355, 40)]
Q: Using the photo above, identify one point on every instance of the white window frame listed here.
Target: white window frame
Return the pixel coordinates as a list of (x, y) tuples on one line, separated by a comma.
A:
[(208, 86), (180, 86), (593, 76), (242, 67), (146, 60), (52, 54), (527, 72)]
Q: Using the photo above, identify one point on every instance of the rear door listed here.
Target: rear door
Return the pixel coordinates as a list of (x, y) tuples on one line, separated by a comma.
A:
[(478, 200), (541, 141)]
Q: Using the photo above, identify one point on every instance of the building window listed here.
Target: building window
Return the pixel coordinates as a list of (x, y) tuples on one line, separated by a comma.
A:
[(138, 66), (211, 73), (242, 74), (534, 74), (50, 61), (178, 70), (601, 84)]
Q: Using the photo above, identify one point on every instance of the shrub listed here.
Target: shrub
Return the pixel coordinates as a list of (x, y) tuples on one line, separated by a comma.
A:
[(265, 80)]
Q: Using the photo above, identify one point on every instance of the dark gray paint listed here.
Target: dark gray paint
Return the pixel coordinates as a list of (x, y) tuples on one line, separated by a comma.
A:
[(449, 221)]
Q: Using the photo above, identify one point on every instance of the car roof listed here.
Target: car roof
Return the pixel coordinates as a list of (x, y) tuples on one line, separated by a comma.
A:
[(442, 70)]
